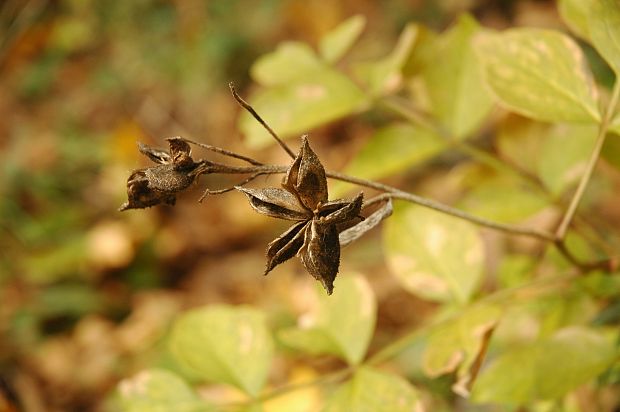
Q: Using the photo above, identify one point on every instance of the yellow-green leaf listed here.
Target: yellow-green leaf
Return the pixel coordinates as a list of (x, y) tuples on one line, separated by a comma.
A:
[(575, 15), (547, 369), (519, 141), (385, 75), (341, 324), (371, 390), (604, 29), (433, 255), (564, 156), (504, 199), (459, 344), (338, 41), (291, 61), (390, 150), (158, 390), (225, 344), (458, 96), (539, 73), (297, 107)]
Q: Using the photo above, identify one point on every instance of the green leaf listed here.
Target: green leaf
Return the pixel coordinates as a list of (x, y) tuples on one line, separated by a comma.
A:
[(385, 75), (604, 28), (458, 344), (338, 41), (456, 90), (575, 15), (615, 124), (341, 324), (504, 199), (297, 107), (290, 62), (547, 369), (390, 150), (564, 156), (158, 390), (539, 73), (611, 150), (433, 255), (519, 141), (371, 390), (225, 344)]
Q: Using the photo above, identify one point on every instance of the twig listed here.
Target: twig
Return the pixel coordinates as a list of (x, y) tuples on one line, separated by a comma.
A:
[(225, 152), (431, 204), (251, 110), (209, 192), (585, 179)]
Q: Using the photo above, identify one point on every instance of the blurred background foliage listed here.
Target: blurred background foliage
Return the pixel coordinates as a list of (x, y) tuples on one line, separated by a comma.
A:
[(87, 294)]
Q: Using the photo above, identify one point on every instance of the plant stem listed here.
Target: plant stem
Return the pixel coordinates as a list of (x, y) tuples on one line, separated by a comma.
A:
[(395, 193), (259, 119), (585, 179)]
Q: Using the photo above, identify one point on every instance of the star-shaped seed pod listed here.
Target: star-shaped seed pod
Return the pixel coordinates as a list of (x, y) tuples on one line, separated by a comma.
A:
[(176, 170), (303, 199)]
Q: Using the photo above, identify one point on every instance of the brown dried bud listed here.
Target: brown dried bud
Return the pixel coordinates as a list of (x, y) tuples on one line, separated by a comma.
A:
[(175, 172)]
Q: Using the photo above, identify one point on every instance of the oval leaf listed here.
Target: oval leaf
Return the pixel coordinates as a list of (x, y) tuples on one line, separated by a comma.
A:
[(225, 344), (341, 324), (434, 255), (539, 73), (289, 62), (575, 15), (157, 390), (459, 344), (390, 150), (385, 75), (299, 106), (604, 29), (338, 41), (564, 156), (504, 199), (547, 369), (454, 84), (376, 391)]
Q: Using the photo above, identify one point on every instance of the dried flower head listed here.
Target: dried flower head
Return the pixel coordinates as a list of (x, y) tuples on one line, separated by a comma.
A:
[(318, 222), (175, 172)]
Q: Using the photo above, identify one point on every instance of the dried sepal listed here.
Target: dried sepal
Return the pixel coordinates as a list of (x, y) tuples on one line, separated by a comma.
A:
[(320, 253), (344, 212), (306, 178), (285, 246), (352, 233), (181, 153), (275, 202), (156, 155)]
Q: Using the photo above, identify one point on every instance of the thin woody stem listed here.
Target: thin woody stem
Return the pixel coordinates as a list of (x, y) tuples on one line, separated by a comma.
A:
[(225, 152), (209, 192), (392, 193), (259, 119), (395, 193), (585, 179)]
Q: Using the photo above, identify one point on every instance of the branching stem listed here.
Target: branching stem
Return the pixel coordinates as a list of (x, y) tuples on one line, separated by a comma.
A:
[(585, 179)]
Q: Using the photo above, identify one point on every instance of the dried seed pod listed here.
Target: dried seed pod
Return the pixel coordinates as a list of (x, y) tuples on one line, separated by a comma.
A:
[(314, 236), (175, 172)]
